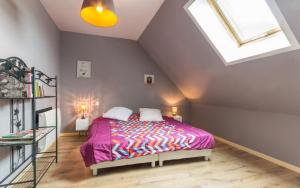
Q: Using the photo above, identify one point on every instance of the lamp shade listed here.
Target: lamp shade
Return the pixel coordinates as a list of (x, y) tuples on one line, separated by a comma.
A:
[(83, 107), (99, 13), (174, 110), (83, 110)]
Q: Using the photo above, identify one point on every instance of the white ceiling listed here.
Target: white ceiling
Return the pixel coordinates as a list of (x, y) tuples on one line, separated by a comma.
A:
[(134, 16)]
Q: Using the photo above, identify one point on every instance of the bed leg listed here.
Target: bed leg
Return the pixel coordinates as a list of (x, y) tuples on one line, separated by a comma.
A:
[(206, 158), (161, 163), (95, 172), (153, 164)]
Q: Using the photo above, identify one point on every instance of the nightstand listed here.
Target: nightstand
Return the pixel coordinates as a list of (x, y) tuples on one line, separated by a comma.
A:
[(82, 125), (178, 118)]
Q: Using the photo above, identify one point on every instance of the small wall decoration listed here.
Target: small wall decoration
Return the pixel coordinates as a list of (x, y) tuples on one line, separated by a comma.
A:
[(149, 79), (84, 69)]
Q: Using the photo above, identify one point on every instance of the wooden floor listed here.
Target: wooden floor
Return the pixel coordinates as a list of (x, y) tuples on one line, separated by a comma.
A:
[(228, 168)]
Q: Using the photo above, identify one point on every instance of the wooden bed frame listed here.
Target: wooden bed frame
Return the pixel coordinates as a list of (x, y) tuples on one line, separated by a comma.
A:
[(161, 157)]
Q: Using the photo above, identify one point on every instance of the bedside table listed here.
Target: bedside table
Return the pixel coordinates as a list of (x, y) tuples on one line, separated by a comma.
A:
[(178, 118), (82, 125)]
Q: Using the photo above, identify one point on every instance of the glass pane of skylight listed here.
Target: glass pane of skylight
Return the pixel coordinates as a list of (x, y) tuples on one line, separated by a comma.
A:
[(249, 19)]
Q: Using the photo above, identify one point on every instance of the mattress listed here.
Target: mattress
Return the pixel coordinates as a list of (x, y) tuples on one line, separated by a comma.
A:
[(110, 140)]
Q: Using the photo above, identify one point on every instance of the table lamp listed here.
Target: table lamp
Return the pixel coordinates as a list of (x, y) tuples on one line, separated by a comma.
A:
[(174, 110), (83, 109)]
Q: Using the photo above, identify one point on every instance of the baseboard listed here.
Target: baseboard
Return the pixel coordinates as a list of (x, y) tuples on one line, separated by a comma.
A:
[(69, 134), (261, 155)]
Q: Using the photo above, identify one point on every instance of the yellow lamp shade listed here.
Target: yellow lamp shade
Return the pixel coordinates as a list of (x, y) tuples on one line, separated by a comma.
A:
[(174, 110), (99, 13)]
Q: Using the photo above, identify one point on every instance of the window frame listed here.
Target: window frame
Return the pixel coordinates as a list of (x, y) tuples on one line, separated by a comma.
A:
[(279, 17), (225, 20)]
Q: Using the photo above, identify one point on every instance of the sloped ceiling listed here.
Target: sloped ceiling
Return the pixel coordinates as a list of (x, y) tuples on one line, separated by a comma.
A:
[(268, 84)]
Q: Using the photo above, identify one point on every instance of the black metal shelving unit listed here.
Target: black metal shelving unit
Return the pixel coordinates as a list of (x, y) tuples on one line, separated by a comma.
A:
[(27, 173)]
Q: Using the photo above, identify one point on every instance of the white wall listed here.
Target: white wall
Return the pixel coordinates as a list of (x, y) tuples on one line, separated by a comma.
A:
[(26, 32)]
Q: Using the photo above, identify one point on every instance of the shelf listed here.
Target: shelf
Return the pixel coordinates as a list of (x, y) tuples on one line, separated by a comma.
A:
[(27, 142), (28, 98), (44, 97), (24, 179), (31, 170)]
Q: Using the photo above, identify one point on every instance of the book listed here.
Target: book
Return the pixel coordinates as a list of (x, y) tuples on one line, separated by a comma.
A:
[(26, 135), (13, 136), (29, 86), (8, 138), (36, 89), (42, 90)]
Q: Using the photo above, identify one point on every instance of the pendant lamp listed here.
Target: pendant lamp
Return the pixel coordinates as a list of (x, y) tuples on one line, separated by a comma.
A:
[(99, 13)]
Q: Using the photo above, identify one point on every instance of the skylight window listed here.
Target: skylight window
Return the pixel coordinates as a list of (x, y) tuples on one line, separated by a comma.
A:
[(242, 30), (246, 20)]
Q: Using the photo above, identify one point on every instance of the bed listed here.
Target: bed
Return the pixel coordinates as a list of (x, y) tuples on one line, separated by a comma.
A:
[(114, 143)]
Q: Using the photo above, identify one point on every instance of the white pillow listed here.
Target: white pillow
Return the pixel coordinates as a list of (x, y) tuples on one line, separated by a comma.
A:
[(118, 113), (149, 114)]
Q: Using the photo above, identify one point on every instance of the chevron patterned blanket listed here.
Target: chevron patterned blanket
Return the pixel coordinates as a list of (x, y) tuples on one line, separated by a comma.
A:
[(114, 140)]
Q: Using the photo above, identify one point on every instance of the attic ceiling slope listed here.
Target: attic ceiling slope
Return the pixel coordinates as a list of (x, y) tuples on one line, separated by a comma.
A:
[(267, 84), (134, 16)]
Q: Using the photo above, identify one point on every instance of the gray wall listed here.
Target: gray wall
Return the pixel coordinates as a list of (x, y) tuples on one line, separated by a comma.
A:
[(268, 86), (26, 32), (274, 134), (118, 68)]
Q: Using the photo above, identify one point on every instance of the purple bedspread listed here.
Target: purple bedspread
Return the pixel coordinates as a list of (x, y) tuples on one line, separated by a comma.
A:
[(113, 140)]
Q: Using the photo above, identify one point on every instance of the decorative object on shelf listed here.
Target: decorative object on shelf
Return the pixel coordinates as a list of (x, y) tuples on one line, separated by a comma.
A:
[(11, 87), (174, 110), (3, 81), (149, 79), (13, 77), (84, 69), (99, 13)]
